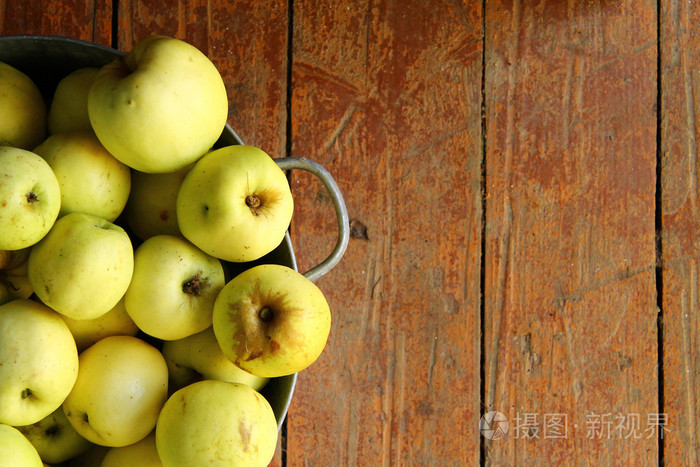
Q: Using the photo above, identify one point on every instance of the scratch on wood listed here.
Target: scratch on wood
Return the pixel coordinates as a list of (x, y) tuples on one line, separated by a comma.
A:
[(400, 364), (690, 120), (341, 126), (433, 358), (689, 373)]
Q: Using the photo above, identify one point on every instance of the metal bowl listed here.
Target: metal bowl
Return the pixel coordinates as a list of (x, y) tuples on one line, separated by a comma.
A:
[(48, 59)]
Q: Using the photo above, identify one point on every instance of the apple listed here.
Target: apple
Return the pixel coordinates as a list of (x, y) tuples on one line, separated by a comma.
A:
[(68, 108), (22, 110), (38, 362), (173, 288), (140, 454), (54, 438), (235, 204), (271, 321), (199, 357), (16, 450), (151, 208), (160, 107), (30, 198), (82, 267), (116, 322), (121, 387), (216, 423), (92, 181)]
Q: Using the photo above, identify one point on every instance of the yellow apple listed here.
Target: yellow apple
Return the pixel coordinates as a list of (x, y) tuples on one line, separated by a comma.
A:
[(235, 204), (30, 198), (151, 208), (140, 454), (91, 458), (160, 107), (216, 423), (38, 362), (22, 110), (68, 108), (121, 387), (199, 357), (82, 267), (92, 181), (271, 321), (16, 450), (54, 438), (173, 289), (116, 322)]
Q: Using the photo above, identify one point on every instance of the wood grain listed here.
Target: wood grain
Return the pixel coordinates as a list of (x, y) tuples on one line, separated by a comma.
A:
[(91, 21), (680, 223), (570, 298), (387, 96)]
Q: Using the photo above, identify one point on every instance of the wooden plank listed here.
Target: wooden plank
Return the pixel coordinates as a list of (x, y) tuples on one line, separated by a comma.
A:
[(680, 56), (570, 299), (387, 95), (91, 21), (246, 40)]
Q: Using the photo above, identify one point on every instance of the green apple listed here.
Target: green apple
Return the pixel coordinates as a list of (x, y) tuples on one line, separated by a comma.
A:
[(68, 108), (160, 107), (116, 322), (235, 204), (216, 423), (140, 454), (82, 267), (271, 321), (121, 387), (173, 289), (92, 181), (54, 438), (199, 357), (16, 450), (22, 110), (38, 362), (30, 198), (151, 208)]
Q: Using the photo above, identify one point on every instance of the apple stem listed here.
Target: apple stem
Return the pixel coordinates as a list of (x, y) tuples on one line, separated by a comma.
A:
[(32, 197), (266, 314), (193, 286), (253, 202)]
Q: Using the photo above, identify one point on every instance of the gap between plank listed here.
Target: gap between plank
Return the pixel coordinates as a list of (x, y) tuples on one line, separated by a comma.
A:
[(482, 266), (658, 228)]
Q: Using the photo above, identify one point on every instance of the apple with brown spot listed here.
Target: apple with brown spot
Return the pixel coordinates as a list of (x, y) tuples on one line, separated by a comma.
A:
[(271, 321)]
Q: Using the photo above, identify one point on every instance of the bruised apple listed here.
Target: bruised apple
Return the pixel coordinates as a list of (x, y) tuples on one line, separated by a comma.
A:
[(82, 267), (235, 204), (216, 423), (271, 321), (173, 289), (121, 387)]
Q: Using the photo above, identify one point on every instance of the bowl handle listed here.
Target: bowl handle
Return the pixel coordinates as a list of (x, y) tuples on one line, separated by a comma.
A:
[(341, 212)]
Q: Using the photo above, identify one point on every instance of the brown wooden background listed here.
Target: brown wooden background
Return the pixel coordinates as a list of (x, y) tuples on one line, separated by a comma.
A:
[(527, 175)]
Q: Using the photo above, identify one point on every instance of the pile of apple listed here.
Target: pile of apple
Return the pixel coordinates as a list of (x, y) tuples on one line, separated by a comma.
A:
[(126, 336)]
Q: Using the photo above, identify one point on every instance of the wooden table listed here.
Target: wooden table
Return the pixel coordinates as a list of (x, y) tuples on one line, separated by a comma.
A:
[(522, 179)]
